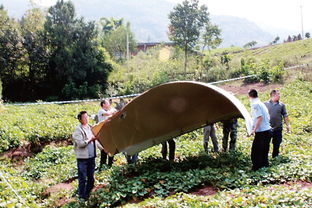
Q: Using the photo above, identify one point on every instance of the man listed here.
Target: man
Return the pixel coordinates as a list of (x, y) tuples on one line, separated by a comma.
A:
[(262, 131), (229, 129), (210, 131), (171, 143), (277, 111), (104, 113), (84, 145)]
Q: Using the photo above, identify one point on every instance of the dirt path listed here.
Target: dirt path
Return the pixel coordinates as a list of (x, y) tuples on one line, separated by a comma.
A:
[(205, 191), (210, 190), (238, 88), (61, 187)]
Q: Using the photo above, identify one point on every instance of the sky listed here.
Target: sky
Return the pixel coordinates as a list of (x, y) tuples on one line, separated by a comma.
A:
[(282, 14), (279, 14)]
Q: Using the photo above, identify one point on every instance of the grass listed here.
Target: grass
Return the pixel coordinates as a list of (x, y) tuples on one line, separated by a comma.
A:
[(159, 183)]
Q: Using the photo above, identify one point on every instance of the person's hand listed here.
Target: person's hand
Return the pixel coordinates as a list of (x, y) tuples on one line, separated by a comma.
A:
[(288, 128), (252, 132), (91, 139)]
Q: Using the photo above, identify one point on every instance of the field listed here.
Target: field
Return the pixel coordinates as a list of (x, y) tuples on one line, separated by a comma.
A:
[(47, 176)]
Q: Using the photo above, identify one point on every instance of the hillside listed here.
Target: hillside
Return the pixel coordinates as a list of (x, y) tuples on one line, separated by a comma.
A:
[(146, 69), (149, 19), (293, 53)]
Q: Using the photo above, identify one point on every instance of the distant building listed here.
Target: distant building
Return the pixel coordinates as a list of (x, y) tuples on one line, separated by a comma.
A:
[(145, 46)]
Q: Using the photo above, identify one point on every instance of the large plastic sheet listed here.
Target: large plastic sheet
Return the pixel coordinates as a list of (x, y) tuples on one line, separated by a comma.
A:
[(167, 111)]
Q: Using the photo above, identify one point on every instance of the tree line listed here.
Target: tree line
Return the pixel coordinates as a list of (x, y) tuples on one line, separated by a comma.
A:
[(55, 55)]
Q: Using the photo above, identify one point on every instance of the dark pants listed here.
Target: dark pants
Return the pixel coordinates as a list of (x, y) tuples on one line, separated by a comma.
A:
[(229, 129), (171, 143), (210, 131), (276, 140), (85, 176), (104, 157), (132, 159), (260, 150)]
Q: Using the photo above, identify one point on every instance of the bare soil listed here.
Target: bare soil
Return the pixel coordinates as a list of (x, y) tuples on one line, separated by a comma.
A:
[(205, 191), (17, 155), (238, 88)]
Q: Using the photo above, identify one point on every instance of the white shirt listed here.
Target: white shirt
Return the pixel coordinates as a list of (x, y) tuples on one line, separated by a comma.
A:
[(259, 109), (101, 115)]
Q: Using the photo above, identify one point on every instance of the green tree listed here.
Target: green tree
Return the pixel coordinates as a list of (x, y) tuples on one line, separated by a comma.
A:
[(211, 37), (107, 25), (307, 35), (250, 44), (12, 72), (294, 38), (59, 32), (76, 62), (115, 36), (0, 91), (225, 60), (276, 40), (36, 58), (186, 21)]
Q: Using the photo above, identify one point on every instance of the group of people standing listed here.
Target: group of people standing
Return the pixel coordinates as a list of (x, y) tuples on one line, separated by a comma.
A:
[(85, 144), (267, 123)]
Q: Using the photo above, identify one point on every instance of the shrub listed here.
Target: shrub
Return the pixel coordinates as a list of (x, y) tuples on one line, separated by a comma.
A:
[(0, 90)]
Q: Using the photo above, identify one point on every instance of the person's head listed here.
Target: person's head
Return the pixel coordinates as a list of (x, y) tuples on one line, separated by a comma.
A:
[(275, 95), (105, 104), (83, 117), (253, 93)]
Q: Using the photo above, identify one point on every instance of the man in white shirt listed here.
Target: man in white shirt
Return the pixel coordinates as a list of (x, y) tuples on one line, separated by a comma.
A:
[(261, 129), (104, 113)]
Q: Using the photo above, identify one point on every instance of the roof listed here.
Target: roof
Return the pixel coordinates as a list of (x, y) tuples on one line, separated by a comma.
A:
[(165, 112)]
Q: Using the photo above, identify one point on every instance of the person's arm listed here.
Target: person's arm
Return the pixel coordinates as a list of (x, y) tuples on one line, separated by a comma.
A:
[(287, 124), (258, 122), (106, 113), (98, 145), (110, 112), (285, 115), (80, 141), (93, 138)]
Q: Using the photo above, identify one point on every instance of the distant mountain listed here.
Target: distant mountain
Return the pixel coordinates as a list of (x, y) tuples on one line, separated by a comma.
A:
[(149, 19), (239, 31)]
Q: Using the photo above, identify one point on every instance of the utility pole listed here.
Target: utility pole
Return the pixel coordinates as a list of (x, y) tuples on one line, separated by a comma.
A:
[(127, 46), (301, 22)]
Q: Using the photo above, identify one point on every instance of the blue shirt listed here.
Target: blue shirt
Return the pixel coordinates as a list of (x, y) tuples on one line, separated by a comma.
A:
[(259, 109)]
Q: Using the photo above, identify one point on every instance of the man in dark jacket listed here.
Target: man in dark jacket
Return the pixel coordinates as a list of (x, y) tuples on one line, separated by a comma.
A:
[(277, 111)]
